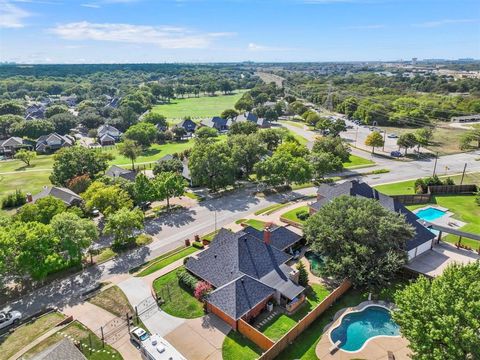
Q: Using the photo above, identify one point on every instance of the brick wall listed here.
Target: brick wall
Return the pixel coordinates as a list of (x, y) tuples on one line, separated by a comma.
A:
[(257, 309), (254, 335), (214, 310), (303, 324)]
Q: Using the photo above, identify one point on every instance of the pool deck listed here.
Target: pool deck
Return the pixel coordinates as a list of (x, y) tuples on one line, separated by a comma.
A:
[(446, 220), (376, 348)]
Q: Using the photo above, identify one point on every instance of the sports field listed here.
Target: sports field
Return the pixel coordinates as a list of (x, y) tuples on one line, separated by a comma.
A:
[(197, 108)]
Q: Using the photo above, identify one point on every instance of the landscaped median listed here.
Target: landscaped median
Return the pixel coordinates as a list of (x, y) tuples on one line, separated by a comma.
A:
[(297, 216), (166, 259)]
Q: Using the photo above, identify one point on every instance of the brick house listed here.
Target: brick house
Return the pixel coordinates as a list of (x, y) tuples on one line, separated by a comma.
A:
[(247, 272)]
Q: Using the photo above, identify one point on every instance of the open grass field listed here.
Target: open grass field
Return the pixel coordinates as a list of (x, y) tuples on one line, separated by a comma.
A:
[(357, 162), (197, 107), (178, 301), (87, 338), (24, 335)]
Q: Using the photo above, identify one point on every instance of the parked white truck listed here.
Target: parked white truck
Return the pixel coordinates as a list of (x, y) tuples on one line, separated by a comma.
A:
[(154, 347)]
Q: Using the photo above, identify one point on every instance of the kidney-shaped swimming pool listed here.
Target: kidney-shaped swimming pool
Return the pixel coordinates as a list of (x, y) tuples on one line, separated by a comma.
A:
[(356, 328)]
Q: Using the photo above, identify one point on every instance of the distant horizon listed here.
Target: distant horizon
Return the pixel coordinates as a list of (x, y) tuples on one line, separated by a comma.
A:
[(232, 31)]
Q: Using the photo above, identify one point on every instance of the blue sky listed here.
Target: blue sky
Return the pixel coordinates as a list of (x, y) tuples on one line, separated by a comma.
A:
[(106, 31)]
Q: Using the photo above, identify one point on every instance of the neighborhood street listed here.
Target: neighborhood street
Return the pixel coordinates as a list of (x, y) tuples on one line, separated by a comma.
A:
[(171, 230)]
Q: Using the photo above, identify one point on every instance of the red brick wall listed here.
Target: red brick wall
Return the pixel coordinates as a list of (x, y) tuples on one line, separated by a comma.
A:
[(256, 310), (214, 310)]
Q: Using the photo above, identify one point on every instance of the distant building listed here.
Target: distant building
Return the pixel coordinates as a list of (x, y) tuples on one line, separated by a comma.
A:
[(188, 125), (466, 118), (66, 195), (218, 123), (11, 145), (254, 119), (108, 135), (52, 142), (35, 111), (118, 172)]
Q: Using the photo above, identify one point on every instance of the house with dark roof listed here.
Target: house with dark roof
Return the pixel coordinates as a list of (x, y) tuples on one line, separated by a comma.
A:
[(35, 111), (217, 123), (61, 350), (11, 145), (251, 117), (69, 197), (108, 135), (247, 271), (423, 239), (117, 172), (52, 142), (188, 125)]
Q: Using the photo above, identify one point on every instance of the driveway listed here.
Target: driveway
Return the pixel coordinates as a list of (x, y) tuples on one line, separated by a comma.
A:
[(156, 320), (201, 338)]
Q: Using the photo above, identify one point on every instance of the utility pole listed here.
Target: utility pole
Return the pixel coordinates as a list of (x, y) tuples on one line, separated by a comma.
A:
[(215, 221), (435, 166), (463, 174), (356, 136), (384, 138)]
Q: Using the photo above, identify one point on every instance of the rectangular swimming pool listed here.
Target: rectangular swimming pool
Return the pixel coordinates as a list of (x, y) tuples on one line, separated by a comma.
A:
[(430, 214)]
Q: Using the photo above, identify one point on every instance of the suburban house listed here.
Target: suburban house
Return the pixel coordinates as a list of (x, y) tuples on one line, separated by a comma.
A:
[(218, 123), (248, 270), (118, 172), (188, 125), (108, 135), (63, 349), (251, 117), (11, 145), (66, 195), (52, 142), (423, 239), (35, 111)]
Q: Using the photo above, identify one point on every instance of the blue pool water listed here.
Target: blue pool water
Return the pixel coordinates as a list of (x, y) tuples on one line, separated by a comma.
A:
[(357, 327), (430, 214)]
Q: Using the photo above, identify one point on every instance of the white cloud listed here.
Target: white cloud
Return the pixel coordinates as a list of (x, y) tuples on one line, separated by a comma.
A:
[(258, 47), (11, 16), (168, 37), (93, 6), (430, 24)]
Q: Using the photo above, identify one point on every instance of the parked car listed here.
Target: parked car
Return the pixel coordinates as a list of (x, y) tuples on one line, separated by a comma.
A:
[(9, 318), (392, 136), (396, 153), (138, 336)]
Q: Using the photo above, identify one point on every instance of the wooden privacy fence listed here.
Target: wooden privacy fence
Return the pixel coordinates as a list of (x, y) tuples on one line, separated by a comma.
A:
[(413, 199), (303, 324), (452, 189), (254, 335)]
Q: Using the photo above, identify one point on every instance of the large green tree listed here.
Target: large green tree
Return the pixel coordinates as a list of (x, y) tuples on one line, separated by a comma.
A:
[(407, 141), (25, 156), (246, 152), (332, 145), (168, 185), (122, 225), (43, 210), (74, 161), (106, 198), (374, 139), (143, 189), (283, 169), (142, 133), (440, 317), (342, 232), (130, 149)]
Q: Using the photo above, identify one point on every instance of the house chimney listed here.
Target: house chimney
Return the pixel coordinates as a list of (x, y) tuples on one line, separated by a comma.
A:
[(29, 198), (267, 233)]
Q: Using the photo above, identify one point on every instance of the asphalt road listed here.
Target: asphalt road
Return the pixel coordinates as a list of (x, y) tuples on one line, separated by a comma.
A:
[(171, 230)]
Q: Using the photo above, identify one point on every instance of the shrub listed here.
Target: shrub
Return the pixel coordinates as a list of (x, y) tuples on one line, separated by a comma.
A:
[(198, 244), (143, 239), (302, 215), (202, 289), (303, 274), (187, 279), (15, 199)]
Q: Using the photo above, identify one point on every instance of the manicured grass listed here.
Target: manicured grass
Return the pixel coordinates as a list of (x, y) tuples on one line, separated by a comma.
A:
[(283, 323), (161, 262), (114, 301), (292, 214), (25, 334), (105, 255), (271, 209), (200, 107), (257, 224), (297, 124), (210, 236), (356, 161), (31, 182), (237, 347), (81, 333), (178, 301)]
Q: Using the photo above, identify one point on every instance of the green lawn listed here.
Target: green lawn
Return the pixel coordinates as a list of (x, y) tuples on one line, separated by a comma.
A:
[(237, 347), (356, 162), (27, 333), (114, 301), (283, 323), (81, 333), (201, 107), (178, 301), (292, 214), (163, 261), (271, 209)]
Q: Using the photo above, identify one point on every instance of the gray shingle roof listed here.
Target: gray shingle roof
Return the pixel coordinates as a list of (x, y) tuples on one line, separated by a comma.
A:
[(64, 194), (279, 279), (328, 192), (280, 237), (116, 172), (235, 255), (217, 123), (236, 298), (62, 350), (188, 124)]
